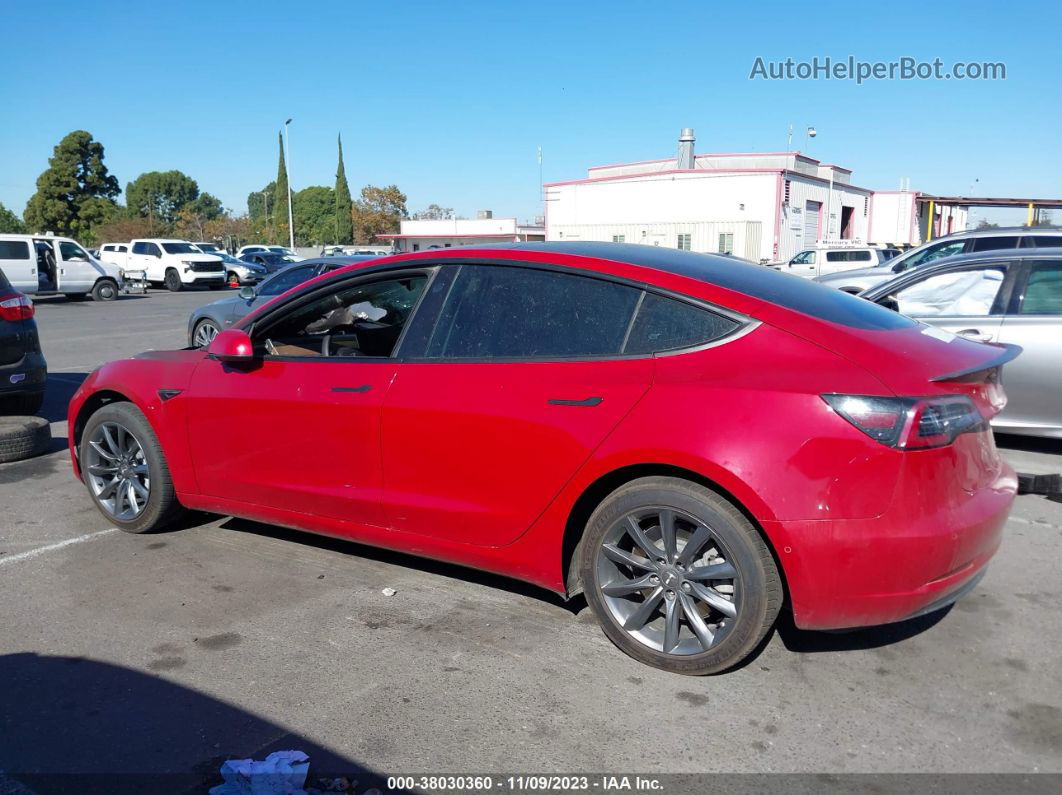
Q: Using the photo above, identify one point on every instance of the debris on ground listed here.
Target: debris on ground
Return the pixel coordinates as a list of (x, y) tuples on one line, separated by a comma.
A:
[(388, 591), (1048, 485), (280, 773)]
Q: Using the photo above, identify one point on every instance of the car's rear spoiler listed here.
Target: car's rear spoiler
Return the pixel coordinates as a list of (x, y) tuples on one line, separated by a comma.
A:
[(1007, 353)]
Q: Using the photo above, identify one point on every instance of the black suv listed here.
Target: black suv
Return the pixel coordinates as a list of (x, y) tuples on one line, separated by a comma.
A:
[(23, 372)]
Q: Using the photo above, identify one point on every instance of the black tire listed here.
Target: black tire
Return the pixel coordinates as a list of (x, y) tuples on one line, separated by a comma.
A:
[(105, 290), (76, 296), (173, 281), (24, 405), (162, 507), (760, 584), (23, 437)]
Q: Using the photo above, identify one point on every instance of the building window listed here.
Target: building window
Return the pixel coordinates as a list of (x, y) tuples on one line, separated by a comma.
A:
[(866, 205), (726, 242), (416, 246), (684, 242), (788, 183), (619, 238)]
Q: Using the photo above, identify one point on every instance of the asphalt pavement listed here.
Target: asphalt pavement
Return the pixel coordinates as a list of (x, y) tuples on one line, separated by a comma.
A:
[(227, 638)]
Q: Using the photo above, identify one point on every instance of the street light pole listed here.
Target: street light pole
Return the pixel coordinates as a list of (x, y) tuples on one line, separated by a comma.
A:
[(287, 161)]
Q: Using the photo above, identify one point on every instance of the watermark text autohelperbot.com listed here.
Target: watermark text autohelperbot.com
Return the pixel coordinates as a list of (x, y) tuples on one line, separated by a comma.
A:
[(850, 68)]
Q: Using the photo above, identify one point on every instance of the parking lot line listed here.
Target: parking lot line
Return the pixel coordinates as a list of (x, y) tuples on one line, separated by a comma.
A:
[(32, 553)]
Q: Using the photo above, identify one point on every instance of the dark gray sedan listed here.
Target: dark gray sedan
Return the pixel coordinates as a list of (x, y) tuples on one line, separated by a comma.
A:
[(206, 321)]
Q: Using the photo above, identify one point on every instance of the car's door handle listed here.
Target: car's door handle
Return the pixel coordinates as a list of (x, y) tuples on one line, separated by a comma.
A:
[(974, 334), (590, 401), (362, 388)]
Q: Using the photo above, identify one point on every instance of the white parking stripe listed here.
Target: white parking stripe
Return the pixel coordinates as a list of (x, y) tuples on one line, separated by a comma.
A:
[(32, 553)]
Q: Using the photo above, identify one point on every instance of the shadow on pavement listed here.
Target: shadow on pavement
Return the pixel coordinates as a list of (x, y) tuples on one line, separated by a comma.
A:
[(1031, 444), (806, 641), (407, 561), (72, 724)]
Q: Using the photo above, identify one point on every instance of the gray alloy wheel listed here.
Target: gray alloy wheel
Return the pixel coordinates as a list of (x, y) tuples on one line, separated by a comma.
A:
[(173, 281), (204, 334), (116, 471), (667, 580), (678, 576)]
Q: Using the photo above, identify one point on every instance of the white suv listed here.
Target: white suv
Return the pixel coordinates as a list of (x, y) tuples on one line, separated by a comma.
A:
[(826, 259), (175, 263)]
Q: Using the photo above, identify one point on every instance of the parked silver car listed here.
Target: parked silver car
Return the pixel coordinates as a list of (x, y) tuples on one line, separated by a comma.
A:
[(206, 321), (969, 242), (1000, 296)]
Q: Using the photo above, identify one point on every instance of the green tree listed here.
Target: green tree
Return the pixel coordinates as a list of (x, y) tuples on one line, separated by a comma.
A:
[(260, 202), (433, 212), (314, 213), (344, 222), (379, 211), (70, 191), (9, 222), (160, 196), (280, 199)]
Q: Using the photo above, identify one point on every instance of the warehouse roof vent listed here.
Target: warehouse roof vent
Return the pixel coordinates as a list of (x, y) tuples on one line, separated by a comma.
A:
[(685, 150)]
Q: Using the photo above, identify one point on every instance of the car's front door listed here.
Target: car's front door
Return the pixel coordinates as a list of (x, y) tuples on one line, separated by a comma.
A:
[(299, 429), (76, 273), (518, 383), (967, 300), (1033, 381)]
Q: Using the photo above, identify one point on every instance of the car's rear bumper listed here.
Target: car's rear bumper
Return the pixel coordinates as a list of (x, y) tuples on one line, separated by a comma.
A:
[(26, 376), (919, 556)]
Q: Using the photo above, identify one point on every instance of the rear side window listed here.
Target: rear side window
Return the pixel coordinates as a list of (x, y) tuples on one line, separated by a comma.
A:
[(140, 248), (14, 249), (1044, 241), (993, 243), (848, 256), (285, 280), (1043, 293), (494, 311), (664, 324)]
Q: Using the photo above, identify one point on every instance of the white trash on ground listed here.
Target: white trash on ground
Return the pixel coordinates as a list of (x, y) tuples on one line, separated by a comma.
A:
[(388, 591), (280, 773)]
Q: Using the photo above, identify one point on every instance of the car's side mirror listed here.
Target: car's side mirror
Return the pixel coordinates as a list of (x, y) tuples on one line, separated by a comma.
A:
[(247, 293), (233, 346), (889, 303)]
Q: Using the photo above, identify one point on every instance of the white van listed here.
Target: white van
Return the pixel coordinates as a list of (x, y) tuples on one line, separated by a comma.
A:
[(825, 259), (49, 265)]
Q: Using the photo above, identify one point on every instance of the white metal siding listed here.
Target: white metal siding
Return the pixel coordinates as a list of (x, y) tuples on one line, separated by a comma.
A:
[(704, 236)]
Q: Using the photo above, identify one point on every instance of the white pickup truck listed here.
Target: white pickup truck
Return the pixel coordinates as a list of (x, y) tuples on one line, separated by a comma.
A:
[(173, 263)]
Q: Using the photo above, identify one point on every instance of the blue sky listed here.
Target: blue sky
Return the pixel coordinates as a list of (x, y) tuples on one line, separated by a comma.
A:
[(450, 100)]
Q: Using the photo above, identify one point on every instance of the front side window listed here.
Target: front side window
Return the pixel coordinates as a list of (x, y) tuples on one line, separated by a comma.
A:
[(152, 249), (71, 252), (494, 311), (1043, 293), (966, 293), (803, 258), (362, 320)]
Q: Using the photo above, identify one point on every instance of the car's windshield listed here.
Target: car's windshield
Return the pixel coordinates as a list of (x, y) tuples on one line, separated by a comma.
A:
[(180, 248)]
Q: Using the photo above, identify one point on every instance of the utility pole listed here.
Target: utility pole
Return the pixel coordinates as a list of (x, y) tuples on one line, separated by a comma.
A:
[(287, 166)]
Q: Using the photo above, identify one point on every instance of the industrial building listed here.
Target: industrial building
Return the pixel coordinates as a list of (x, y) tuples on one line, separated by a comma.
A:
[(765, 206), (419, 235)]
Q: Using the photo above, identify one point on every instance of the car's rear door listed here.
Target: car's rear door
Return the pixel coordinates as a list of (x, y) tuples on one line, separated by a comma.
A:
[(965, 299), (1033, 381), (299, 429), (519, 380), (19, 264)]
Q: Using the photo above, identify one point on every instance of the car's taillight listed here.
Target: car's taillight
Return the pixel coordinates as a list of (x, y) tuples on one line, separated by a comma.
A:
[(15, 307), (909, 423)]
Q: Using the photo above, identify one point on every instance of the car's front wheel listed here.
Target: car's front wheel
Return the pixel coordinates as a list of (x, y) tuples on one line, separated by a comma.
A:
[(173, 281), (125, 471), (105, 290), (678, 577), (205, 331)]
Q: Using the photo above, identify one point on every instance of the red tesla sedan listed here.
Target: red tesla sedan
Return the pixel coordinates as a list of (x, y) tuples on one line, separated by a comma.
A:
[(689, 440)]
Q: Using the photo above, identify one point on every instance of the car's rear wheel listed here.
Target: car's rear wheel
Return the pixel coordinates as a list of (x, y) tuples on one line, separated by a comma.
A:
[(678, 577), (125, 471), (204, 333), (104, 290), (173, 281)]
